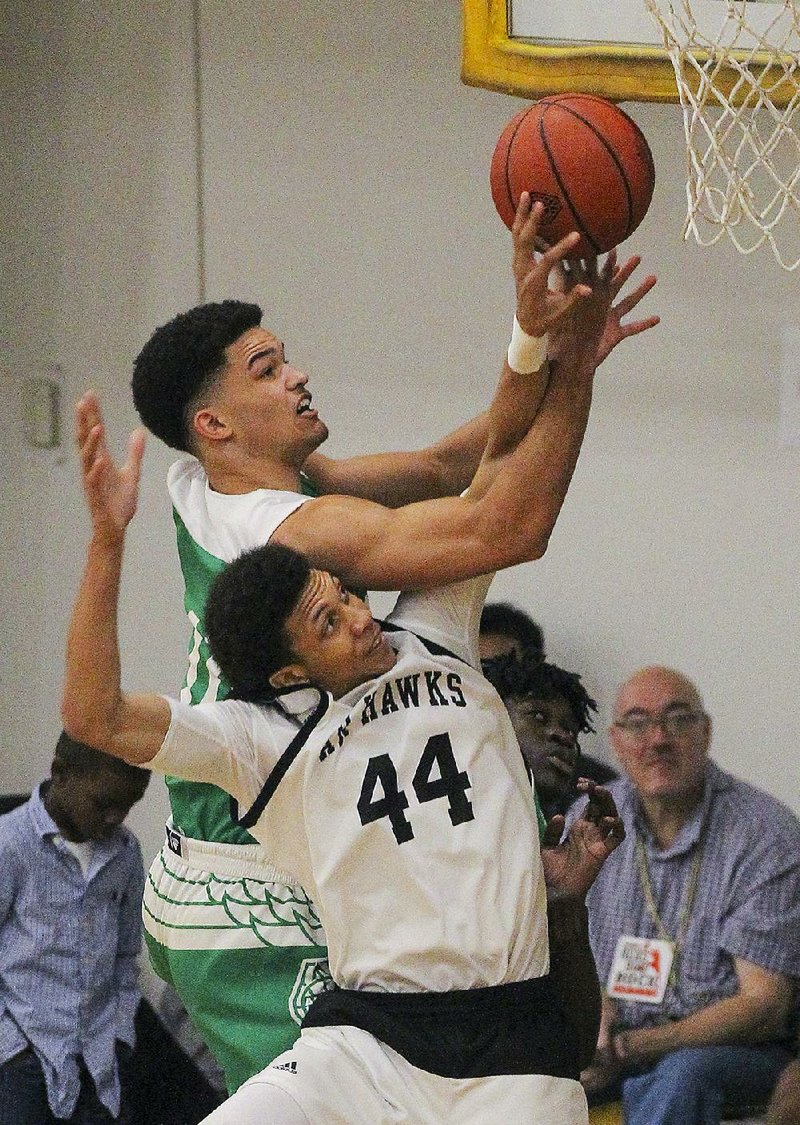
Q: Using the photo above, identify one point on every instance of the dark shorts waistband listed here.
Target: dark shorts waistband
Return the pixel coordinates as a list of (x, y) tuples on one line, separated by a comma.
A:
[(516, 1028)]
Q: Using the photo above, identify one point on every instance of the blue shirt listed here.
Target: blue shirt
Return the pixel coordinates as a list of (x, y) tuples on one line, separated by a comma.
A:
[(68, 952), (747, 903)]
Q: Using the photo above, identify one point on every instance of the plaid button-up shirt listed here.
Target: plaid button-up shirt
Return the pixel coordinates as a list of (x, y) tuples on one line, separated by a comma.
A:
[(747, 901)]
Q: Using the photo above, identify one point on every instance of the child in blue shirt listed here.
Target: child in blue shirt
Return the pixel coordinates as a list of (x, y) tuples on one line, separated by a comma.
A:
[(71, 881)]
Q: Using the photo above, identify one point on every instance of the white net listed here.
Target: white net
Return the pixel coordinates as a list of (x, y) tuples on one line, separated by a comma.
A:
[(738, 76)]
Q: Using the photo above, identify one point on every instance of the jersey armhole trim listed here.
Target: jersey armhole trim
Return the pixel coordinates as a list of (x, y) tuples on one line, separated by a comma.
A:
[(431, 646), (282, 765)]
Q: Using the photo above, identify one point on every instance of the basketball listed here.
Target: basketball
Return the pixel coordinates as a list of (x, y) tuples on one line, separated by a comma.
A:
[(585, 160)]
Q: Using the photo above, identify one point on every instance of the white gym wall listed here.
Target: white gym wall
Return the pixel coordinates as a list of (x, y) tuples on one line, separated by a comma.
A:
[(345, 175)]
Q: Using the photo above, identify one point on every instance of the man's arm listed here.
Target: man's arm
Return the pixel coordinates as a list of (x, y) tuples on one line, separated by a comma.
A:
[(94, 709), (757, 1013), (447, 467), (435, 542), (398, 478), (518, 395), (570, 868), (604, 1067)]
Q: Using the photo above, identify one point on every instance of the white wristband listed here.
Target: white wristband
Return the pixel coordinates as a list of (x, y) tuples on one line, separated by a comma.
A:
[(526, 354)]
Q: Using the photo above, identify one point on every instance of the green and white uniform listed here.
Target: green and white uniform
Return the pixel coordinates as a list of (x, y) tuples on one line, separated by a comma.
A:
[(239, 939)]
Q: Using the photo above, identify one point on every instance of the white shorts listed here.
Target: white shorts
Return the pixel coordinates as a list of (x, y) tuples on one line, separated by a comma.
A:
[(345, 1076)]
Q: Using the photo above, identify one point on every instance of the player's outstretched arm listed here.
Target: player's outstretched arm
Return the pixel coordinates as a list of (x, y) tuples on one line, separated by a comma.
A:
[(448, 466), (539, 309), (509, 512), (404, 477), (94, 708)]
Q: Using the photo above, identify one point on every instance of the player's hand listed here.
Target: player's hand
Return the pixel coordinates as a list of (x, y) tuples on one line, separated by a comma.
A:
[(614, 330), (111, 491), (539, 306), (570, 867), (595, 328)]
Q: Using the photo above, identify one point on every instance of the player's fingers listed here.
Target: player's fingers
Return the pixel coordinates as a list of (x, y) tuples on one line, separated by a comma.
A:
[(578, 292), (589, 269), (633, 298), (602, 804), (522, 214), (526, 237), (623, 272), (553, 832), (558, 276), (613, 830), (637, 326), (91, 447), (610, 265), (561, 249)]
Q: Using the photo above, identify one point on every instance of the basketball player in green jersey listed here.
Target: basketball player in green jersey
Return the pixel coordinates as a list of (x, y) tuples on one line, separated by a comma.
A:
[(240, 941)]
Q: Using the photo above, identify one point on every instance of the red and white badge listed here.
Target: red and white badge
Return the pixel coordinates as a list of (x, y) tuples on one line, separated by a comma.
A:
[(640, 969)]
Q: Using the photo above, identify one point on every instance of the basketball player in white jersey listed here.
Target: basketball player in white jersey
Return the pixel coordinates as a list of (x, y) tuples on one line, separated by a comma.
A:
[(385, 775)]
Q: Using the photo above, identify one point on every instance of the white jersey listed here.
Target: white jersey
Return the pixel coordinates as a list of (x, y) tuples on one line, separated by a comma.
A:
[(213, 529), (225, 524), (403, 808)]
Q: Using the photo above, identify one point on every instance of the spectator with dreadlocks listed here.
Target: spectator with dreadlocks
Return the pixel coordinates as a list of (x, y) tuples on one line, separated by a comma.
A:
[(549, 708)]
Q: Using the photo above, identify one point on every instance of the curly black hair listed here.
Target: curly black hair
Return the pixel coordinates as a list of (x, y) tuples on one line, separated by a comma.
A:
[(245, 616), (180, 361), (508, 619), (529, 674)]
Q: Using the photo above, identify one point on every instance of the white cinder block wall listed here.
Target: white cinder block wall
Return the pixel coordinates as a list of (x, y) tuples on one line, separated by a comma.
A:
[(344, 170)]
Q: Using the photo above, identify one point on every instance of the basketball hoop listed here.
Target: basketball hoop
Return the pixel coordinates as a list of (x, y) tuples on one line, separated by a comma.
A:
[(738, 76)]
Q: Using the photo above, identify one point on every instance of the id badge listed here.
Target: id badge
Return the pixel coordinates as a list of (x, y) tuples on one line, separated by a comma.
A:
[(640, 969)]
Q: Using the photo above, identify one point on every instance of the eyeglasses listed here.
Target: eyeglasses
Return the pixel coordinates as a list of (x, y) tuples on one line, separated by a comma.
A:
[(673, 723)]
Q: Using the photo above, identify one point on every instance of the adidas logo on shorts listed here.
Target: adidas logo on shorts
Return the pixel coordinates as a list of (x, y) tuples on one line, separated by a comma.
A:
[(290, 1066)]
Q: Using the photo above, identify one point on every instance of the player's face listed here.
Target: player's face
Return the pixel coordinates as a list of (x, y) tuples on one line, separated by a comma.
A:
[(91, 806), (661, 734), (264, 401), (548, 737), (337, 642)]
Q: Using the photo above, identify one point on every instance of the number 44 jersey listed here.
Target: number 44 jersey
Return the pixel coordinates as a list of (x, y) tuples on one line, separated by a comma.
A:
[(403, 808)]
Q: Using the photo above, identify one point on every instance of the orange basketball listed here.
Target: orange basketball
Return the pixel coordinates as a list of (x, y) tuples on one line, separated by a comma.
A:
[(585, 160)]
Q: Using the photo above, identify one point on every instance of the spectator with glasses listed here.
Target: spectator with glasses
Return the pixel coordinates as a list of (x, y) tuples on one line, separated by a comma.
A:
[(694, 921)]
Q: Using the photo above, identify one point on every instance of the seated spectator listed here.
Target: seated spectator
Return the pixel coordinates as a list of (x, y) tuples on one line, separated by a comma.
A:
[(549, 708), (694, 921), (71, 884), (505, 629)]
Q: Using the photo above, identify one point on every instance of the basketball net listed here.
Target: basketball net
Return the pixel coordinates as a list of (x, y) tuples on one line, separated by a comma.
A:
[(739, 86)]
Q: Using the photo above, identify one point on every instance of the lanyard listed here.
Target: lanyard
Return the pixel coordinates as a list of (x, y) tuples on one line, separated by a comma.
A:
[(686, 910)]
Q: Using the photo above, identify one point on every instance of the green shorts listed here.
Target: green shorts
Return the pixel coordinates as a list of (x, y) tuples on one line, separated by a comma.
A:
[(240, 942)]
